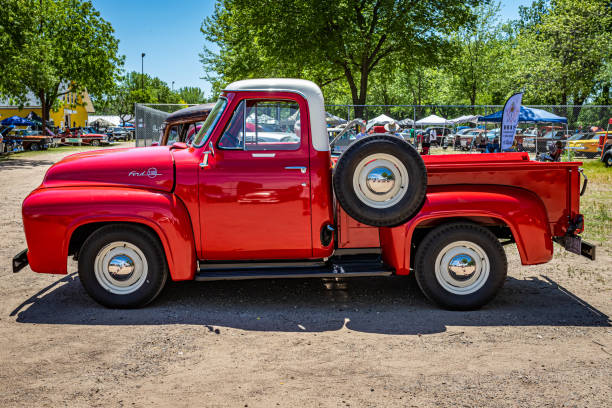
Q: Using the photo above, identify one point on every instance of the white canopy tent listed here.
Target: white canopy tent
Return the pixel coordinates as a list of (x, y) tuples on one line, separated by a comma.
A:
[(406, 122), (464, 119), (333, 119), (379, 120), (432, 120)]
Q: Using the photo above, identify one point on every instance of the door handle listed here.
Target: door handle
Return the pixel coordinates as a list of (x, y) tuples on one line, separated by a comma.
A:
[(205, 160), (302, 169)]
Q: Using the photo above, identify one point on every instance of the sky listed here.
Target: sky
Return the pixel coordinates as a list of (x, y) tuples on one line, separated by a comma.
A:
[(168, 32)]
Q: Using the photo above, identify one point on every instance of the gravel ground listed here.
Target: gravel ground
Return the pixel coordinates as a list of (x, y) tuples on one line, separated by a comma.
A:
[(544, 341)]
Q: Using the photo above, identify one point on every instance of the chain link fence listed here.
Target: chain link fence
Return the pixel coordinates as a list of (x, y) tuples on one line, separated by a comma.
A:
[(577, 115), (150, 117)]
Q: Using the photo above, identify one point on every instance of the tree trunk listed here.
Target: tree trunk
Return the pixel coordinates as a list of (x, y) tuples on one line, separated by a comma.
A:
[(43, 111)]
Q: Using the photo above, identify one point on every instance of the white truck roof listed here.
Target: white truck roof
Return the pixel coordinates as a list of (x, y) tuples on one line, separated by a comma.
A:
[(309, 90)]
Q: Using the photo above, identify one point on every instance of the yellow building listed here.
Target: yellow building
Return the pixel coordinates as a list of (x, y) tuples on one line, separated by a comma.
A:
[(73, 109)]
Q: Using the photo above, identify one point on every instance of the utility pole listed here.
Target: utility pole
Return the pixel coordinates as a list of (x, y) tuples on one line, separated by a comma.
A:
[(142, 72)]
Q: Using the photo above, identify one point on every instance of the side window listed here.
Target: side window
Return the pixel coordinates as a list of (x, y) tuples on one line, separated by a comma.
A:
[(173, 134), (263, 125), (233, 135), (192, 130)]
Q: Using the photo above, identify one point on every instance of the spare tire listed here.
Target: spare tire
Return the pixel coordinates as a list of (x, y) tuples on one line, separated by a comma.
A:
[(380, 180)]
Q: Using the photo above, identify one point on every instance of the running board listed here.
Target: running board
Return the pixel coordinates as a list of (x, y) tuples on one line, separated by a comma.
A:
[(331, 270)]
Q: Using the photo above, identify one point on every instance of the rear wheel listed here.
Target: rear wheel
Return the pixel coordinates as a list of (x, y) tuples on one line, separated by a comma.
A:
[(122, 266), (35, 147), (460, 266), (95, 142), (380, 180), (608, 159)]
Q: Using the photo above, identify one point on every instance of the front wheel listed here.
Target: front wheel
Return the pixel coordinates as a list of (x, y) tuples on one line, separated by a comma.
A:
[(460, 266), (95, 142), (122, 266), (608, 159)]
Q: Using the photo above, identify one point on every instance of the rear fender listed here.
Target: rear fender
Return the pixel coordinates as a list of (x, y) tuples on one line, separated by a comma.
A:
[(521, 210), (52, 215)]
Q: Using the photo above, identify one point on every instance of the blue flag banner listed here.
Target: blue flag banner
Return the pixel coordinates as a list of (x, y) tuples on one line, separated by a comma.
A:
[(510, 117)]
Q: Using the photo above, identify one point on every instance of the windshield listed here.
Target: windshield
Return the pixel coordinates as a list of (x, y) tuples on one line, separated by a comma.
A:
[(209, 124)]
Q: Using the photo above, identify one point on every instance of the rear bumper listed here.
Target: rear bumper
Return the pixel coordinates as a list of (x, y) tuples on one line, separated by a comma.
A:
[(20, 261), (575, 244)]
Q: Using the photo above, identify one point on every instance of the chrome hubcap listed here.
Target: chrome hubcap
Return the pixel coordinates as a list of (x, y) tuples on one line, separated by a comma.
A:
[(120, 268), (380, 180), (462, 267)]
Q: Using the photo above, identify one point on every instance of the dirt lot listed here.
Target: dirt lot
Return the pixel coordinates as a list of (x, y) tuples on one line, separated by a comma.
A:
[(545, 341)]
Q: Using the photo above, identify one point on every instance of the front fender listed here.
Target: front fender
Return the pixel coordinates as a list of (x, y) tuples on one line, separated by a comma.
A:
[(51, 215), (521, 210)]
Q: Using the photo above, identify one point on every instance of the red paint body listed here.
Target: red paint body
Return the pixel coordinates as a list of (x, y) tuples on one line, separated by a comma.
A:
[(246, 207)]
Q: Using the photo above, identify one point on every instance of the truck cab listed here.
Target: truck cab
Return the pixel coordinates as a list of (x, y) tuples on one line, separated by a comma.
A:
[(256, 194)]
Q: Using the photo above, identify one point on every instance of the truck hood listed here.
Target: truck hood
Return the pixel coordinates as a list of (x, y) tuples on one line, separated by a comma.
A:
[(150, 167)]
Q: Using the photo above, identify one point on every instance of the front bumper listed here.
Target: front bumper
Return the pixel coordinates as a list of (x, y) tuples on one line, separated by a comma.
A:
[(20, 261)]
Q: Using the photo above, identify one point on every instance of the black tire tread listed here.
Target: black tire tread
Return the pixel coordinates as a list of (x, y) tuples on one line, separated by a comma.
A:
[(434, 238), (345, 160), (132, 300)]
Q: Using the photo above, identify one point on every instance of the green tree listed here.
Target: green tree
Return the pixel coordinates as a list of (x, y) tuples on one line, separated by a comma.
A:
[(64, 46), (192, 95), (325, 41), (561, 57), (134, 88), (475, 57)]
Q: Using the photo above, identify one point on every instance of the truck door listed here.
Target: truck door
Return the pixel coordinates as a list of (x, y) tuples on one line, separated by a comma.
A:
[(255, 191)]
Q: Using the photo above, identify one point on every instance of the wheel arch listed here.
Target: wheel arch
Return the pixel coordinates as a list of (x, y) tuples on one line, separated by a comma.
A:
[(497, 208), (82, 229), (58, 220)]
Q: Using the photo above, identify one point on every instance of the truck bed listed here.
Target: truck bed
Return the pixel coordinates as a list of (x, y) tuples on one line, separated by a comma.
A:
[(556, 184)]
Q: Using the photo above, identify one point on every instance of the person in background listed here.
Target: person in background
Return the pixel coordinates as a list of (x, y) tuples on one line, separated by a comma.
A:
[(480, 142), (579, 129), (427, 139), (518, 141), (392, 129), (413, 137), (556, 151), (362, 132)]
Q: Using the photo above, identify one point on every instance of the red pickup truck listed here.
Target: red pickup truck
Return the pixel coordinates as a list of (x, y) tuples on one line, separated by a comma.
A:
[(258, 195)]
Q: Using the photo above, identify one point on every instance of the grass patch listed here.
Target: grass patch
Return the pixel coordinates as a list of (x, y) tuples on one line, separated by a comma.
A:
[(596, 204)]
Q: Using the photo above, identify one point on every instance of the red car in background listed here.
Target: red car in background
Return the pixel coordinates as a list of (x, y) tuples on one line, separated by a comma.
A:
[(80, 135)]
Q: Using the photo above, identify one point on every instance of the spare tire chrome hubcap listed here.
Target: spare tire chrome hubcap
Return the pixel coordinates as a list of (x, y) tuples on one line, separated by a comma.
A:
[(462, 267), (120, 267), (380, 180)]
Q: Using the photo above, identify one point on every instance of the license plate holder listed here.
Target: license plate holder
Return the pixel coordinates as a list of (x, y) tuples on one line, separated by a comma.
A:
[(574, 244)]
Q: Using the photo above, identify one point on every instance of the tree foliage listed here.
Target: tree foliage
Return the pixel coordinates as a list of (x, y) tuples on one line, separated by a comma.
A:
[(50, 47), (420, 52), (137, 88), (326, 41)]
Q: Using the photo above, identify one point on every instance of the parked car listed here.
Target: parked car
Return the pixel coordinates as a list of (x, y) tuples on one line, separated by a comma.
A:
[(466, 140), (606, 150), (587, 146), (541, 140), (28, 139), (81, 135), (441, 133), (454, 139), (118, 133), (225, 207), (182, 125)]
